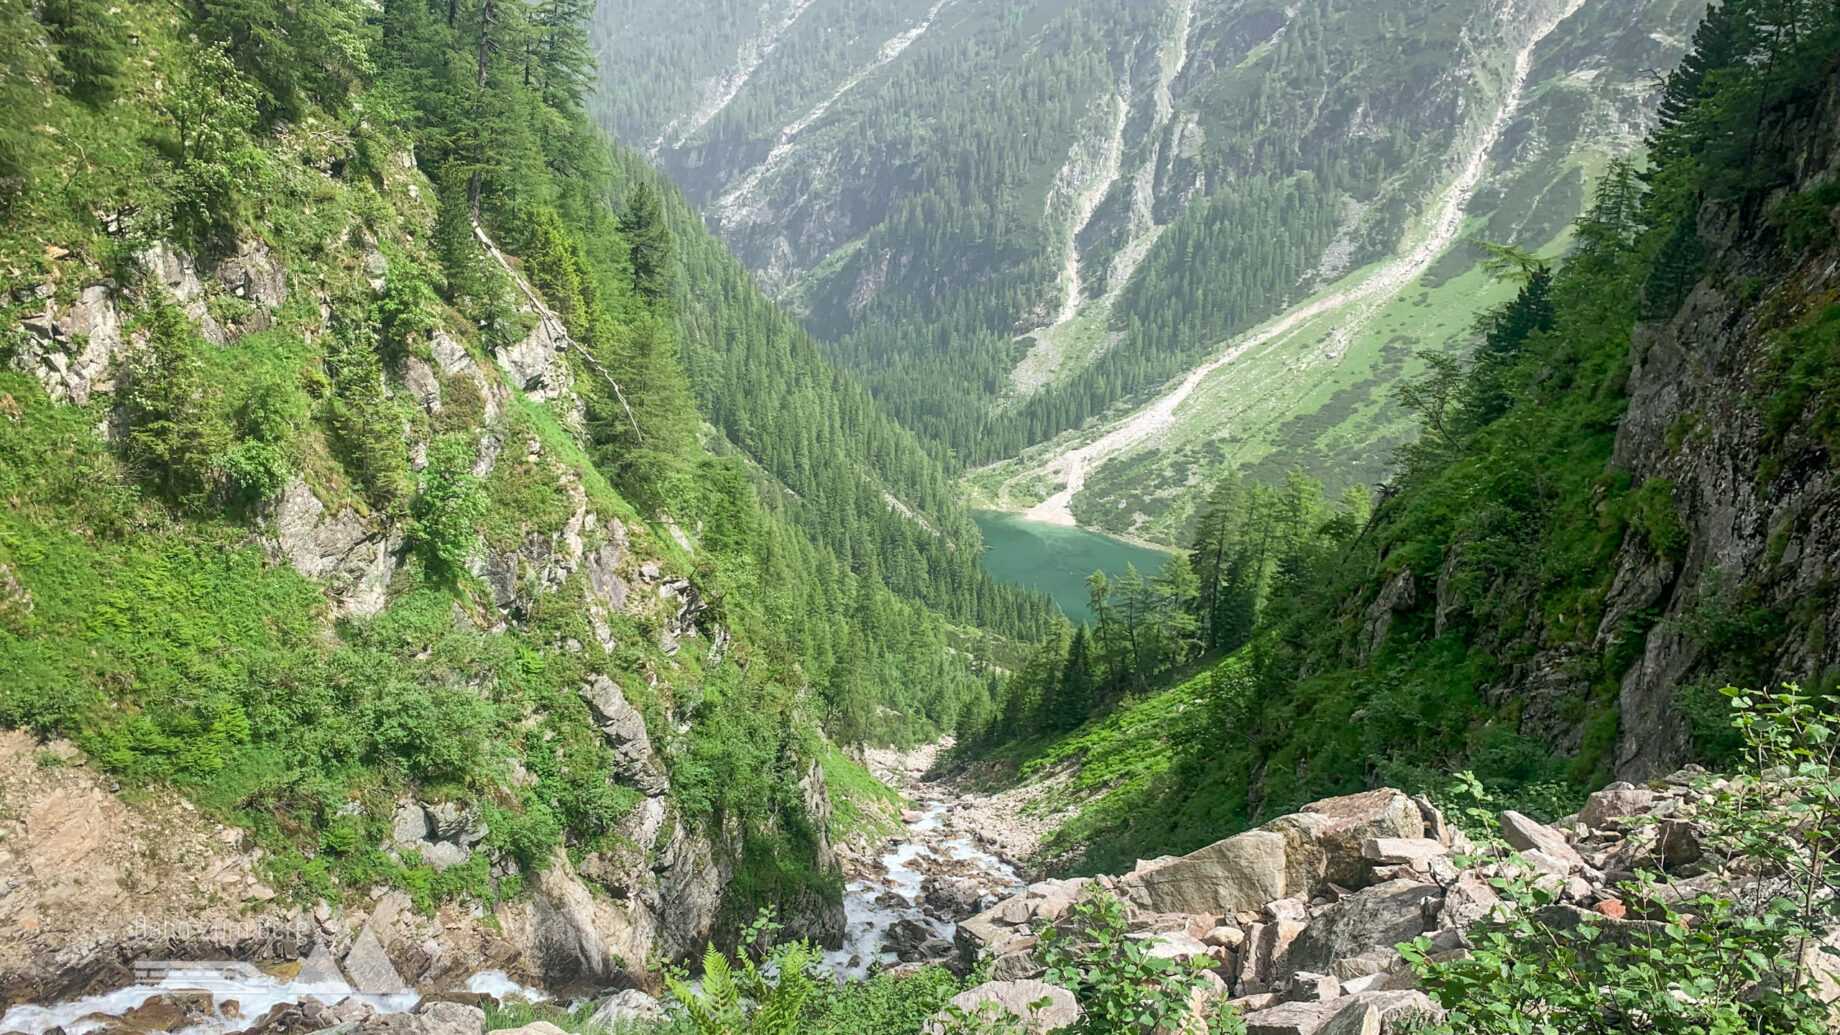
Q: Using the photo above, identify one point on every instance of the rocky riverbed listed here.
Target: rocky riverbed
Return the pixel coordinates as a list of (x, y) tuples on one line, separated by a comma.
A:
[(957, 853)]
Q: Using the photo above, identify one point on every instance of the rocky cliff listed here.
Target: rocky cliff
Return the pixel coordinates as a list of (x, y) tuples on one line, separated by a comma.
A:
[(576, 620), (1744, 457)]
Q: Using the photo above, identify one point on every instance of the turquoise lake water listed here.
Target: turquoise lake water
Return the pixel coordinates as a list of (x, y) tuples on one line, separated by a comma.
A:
[(1056, 559)]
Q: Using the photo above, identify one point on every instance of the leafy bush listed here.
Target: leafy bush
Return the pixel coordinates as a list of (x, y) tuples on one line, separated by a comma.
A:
[(450, 505), (1123, 989), (253, 470), (1707, 967)]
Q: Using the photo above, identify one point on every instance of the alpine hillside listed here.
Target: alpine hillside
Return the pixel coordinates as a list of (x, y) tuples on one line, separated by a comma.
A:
[(416, 515), (1021, 223)]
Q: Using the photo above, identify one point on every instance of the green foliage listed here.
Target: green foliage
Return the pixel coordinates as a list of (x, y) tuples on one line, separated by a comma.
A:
[(643, 224), (881, 1004), (301, 54), (1806, 219), (211, 107), (1804, 392), (90, 48), (447, 511), (1737, 964), (746, 998), (1657, 517), (253, 470), (1123, 989), (176, 434), (365, 421)]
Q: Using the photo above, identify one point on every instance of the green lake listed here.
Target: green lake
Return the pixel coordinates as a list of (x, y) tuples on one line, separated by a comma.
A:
[(1056, 559)]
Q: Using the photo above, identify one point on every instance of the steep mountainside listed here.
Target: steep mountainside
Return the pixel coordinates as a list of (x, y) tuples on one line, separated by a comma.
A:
[(1012, 219), (1621, 504)]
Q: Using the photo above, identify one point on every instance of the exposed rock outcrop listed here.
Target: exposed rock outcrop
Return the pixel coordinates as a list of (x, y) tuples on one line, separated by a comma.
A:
[(342, 551), (624, 729), (71, 347)]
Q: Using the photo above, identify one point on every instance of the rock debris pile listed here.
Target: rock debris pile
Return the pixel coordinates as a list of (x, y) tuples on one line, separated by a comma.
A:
[(1298, 920)]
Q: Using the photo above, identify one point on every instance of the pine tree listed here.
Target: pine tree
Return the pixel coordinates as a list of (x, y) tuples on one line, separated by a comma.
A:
[(560, 60), (301, 53), (25, 62), (175, 434), (1505, 329), (1676, 268), (1079, 682), (90, 49), (649, 238), (1716, 46)]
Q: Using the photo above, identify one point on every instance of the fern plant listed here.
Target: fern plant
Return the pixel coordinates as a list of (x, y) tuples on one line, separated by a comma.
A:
[(743, 998)]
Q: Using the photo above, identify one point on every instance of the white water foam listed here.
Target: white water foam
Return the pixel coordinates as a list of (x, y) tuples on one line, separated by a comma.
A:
[(868, 921), (253, 995)]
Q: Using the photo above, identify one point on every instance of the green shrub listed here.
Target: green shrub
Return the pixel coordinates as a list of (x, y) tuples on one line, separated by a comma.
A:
[(1658, 518), (450, 505), (1122, 988), (1732, 966), (1806, 220), (746, 998), (253, 471), (175, 434)]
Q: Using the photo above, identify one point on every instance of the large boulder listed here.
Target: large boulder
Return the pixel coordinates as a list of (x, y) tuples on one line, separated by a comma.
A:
[(1468, 900), (627, 1007), (1354, 1019), (1366, 1013), (1292, 1018), (1241, 873), (1374, 918), (953, 898), (1345, 826), (439, 1018), (1608, 808), (994, 1000), (1525, 834)]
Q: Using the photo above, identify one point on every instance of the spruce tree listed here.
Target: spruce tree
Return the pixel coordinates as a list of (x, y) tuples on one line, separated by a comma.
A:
[(90, 48), (649, 239)]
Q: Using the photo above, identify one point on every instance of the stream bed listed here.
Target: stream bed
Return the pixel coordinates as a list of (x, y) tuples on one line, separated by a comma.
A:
[(903, 906)]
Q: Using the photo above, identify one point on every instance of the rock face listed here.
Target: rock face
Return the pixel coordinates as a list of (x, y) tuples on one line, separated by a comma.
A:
[(624, 730), (353, 560), (72, 346), (70, 850)]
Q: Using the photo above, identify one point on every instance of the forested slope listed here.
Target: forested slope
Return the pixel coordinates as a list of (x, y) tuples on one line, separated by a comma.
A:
[(377, 447), (1619, 505), (1013, 218)]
